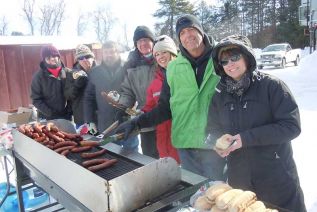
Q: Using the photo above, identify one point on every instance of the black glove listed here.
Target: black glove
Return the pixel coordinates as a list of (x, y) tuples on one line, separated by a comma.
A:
[(80, 81), (128, 127), (121, 116)]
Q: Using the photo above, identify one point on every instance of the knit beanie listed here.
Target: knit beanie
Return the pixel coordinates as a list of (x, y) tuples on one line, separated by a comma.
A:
[(142, 32), (188, 21), (82, 51), (48, 51), (165, 43)]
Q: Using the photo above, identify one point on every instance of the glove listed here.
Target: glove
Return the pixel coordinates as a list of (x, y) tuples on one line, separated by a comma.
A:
[(92, 129), (128, 127), (121, 116), (80, 81)]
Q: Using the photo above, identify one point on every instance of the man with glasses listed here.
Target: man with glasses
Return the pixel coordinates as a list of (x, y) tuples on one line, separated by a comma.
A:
[(76, 82), (107, 76), (185, 97), (47, 87)]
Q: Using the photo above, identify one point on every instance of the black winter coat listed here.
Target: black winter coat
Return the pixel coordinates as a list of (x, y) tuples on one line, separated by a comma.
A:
[(101, 79), (47, 94), (74, 92)]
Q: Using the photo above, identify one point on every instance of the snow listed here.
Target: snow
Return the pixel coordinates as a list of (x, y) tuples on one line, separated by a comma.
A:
[(302, 80)]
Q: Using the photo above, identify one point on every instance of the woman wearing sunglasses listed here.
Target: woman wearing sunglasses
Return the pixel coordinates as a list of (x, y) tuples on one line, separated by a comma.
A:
[(259, 113), (164, 51)]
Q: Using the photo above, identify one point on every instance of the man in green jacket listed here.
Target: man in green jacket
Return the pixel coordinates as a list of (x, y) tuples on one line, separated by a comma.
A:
[(185, 97)]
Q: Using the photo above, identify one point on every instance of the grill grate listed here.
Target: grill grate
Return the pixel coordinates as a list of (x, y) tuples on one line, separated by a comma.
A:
[(123, 166)]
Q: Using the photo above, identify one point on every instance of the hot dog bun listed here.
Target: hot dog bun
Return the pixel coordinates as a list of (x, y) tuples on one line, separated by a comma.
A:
[(215, 209), (214, 191), (223, 143), (242, 201), (223, 200), (257, 206), (202, 204)]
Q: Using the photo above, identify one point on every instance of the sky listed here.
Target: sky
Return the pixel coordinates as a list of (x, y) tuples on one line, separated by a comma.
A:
[(129, 12)]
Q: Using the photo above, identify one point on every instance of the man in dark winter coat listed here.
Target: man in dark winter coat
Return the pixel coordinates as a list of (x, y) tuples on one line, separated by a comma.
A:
[(107, 76), (47, 87), (186, 93), (140, 72), (76, 81), (259, 113)]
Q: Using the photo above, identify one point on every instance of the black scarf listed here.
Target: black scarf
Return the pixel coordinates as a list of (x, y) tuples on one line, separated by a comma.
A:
[(238, 87)]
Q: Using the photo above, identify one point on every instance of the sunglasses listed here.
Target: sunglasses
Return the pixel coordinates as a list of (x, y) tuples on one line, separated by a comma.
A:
[(233, 58), (84, 57)]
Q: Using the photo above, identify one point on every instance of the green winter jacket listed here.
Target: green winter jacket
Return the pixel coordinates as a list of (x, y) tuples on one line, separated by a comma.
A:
[(188, 103)]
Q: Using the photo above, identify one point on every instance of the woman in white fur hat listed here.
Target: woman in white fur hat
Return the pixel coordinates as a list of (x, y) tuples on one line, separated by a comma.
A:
[(164, 51)]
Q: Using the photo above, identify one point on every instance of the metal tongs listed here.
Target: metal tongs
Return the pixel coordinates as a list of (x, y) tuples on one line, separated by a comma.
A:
[(107, 131)]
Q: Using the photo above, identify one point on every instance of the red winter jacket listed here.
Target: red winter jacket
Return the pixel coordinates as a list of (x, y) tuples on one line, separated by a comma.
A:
[(163, 130)]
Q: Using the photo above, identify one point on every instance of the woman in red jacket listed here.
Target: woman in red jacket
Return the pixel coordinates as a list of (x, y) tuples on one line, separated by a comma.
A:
[(164, 50)]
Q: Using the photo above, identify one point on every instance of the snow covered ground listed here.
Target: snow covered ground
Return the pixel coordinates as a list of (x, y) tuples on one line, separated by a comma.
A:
[(302, 80)]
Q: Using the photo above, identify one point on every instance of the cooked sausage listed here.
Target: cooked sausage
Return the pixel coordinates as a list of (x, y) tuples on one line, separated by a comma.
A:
[(35, 135), (61, 149), (40, 139), (94, 162), (53, 136), (59, 134), (80, 149), (89, 143), (65, 143), (21, 128), (51, 127), (65, 152), (93, 154), (70, 136), (38, 127), (104, 165)]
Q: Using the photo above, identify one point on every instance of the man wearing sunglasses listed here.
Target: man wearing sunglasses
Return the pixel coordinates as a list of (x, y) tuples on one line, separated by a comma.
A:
[(185, 97), (76, 82)]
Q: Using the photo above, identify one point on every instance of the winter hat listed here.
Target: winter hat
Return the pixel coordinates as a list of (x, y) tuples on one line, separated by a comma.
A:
[(165, 43), (82, 51), (142, 32), (48, 51), (188, 21)]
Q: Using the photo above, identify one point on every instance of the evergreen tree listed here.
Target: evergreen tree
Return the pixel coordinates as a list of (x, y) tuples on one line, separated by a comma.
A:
[(169, 12)]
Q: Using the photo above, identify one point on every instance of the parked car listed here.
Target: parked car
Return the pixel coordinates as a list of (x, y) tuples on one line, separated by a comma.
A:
[(278, 55)]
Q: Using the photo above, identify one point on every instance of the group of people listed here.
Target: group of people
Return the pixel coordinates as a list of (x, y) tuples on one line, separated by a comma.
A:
[(190, 98)]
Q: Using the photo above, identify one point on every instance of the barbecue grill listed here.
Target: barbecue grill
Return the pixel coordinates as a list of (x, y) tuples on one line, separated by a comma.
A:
[(135, 183)]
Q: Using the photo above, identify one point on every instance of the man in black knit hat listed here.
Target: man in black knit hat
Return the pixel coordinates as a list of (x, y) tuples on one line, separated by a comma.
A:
[(140, 69), (185, 98)]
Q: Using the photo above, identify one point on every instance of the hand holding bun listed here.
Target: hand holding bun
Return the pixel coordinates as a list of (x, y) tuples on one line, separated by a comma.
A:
[(223, 142), (202, 204)]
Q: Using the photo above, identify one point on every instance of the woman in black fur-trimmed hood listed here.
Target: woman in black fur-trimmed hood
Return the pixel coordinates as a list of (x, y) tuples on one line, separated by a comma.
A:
[(259, 113)]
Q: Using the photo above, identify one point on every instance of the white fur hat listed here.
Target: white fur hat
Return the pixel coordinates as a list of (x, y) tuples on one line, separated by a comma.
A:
[(164, 43)]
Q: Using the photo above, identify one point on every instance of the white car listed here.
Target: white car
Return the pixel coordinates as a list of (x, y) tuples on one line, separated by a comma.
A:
[(278, 55)]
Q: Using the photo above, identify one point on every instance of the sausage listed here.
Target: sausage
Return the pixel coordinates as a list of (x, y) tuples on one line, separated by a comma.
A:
[(89, 143), (21, 128), (80, 149), (94, 162), (59, 134), (51, 127), (104, 165), (69, 135), (65, 143), (61, 149), (65, 152), (38, 127), (53, 136), (35, 135), (93, 154), (40, 139)]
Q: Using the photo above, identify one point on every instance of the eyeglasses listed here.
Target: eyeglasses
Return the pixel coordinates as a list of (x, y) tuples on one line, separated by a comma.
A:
[(84, 57), (233, 58)]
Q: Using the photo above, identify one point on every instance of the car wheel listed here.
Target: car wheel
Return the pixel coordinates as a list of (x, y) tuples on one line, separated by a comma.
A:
[(260, 67), (296, 62), (283, 63)]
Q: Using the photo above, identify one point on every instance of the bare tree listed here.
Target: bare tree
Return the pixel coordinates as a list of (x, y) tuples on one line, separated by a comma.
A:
[(3, 26), (28, 10), (103, 23), (125, 37), (81, 24), (52, 16)]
